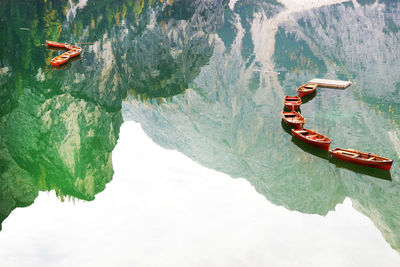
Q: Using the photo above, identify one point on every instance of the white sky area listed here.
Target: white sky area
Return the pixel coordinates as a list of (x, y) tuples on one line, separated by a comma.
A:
[(163, 209)]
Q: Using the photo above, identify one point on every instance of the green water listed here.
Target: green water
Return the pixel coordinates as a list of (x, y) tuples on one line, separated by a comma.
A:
[(188, 72)]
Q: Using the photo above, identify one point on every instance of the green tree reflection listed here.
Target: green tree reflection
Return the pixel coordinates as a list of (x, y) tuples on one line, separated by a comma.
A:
[(59, 126)]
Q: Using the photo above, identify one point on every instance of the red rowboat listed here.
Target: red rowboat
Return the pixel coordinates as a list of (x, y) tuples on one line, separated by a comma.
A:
[(71, 47), (292, 102), (59, 60), (293, 119), (55, 44), (74, 52), (361, 158), (306, 89), (313, 138)]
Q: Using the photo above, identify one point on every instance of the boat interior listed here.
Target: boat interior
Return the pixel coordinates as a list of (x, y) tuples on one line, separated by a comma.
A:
[(360, 155), (311, 135), (290, 115)]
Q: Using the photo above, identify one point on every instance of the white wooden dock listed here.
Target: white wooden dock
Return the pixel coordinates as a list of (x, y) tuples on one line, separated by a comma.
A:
[(330, 83)]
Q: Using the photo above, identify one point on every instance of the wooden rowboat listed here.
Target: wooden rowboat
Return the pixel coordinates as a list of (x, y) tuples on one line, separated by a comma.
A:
[(313, 138), (292, 102), (55, 44), (361, 158), (74, 52), (59, 60), (71, 47), (306, 89), (293, 119)]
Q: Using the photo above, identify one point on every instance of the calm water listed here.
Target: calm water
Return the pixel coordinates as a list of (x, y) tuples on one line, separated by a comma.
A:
[(204, 82)]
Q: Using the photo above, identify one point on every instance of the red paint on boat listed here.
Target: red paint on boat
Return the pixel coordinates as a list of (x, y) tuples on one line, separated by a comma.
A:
[(59, 60), (306, 89), (292, 102), (362, 158), (71, 47), (293, 119), (313, 138), (55, 44), (73, 51)]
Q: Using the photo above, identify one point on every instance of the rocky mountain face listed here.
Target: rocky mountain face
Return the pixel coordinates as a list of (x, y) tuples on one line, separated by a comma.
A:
[(17, 185), (360, 39), (58, 126), (61, 143), (229, 117), (212, 68), (65, 141), (163, 59)]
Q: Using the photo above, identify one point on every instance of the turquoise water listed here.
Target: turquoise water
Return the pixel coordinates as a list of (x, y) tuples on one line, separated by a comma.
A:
[(207, 79)]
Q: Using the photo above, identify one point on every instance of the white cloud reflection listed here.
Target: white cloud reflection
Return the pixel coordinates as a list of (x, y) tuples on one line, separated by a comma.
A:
[(163, 209)]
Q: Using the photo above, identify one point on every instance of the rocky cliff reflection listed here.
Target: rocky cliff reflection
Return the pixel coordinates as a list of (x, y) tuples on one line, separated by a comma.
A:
[(59, 143), (59, 125), (229, 119), (163, 59)]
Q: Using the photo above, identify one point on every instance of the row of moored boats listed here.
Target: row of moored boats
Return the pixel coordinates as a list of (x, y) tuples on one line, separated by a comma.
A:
[(72, 51), (311, 137)]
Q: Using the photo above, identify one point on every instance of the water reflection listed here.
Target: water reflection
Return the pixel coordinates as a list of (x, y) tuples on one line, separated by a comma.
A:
[(377, 173), (308, 98), (323, 154), (286, 127), (63, 143), (58, 128), (163, 59), (59, 125), (228, 118), (185, 70)]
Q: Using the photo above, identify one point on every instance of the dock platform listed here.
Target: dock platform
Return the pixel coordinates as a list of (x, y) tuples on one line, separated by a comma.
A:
[(330, 83)]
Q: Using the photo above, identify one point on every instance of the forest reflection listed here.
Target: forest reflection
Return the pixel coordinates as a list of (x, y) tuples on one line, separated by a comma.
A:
[(185, 71), (59, 125)]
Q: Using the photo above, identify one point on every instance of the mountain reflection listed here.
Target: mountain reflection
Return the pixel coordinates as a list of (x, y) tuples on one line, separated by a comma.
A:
[(228, 119), (58, 127), (164, 59)]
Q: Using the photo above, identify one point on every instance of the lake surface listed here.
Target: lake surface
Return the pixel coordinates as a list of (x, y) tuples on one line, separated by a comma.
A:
[(162, 144)]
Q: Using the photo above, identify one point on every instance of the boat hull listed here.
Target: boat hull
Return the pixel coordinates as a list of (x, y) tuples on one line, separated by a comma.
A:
[(73, 51), (71, 47), (292, 102), (322, 144), (293, 119), (55, 44), (292, 106), (306, 89), (379, 164), (60, 60), (305, 93)]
